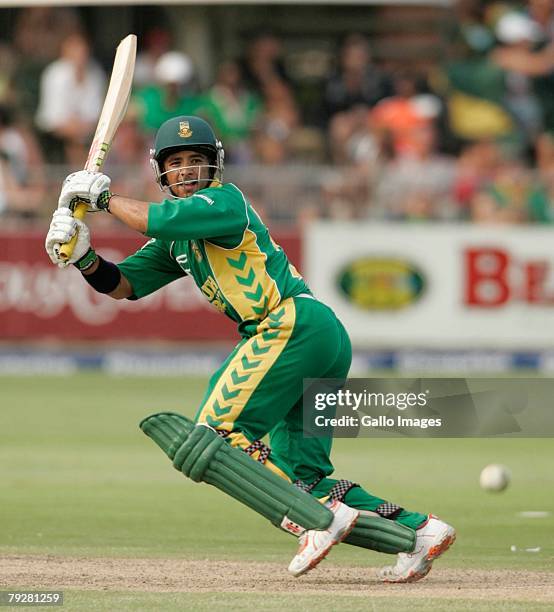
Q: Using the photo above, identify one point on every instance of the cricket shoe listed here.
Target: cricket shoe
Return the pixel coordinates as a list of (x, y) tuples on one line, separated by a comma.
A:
[(432, 539), (316, 543)]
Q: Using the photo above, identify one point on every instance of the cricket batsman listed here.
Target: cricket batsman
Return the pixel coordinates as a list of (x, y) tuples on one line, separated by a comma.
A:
[(207, 229)]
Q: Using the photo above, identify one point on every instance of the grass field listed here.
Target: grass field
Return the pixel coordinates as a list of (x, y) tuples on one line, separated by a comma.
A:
[(91, 506)]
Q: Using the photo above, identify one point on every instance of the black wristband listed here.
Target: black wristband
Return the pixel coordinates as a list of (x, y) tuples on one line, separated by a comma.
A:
[(105, 278)]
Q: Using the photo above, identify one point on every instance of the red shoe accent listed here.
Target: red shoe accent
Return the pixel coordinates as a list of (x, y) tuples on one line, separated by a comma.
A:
[(436, 551)]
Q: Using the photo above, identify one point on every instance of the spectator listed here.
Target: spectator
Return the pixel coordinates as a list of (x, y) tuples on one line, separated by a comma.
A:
[(345, 193), (542, 13), (72, 92), (157, 42), (174, 92), (401, 115), (7, 70), (541, 197), (537, 61), (476, 167), (39, 32), (357, 84), (471, 35), (471, 85), (233, 111), (278, 123), (21, 169), (475, 95), (16, 200), (518, 33), (504, 199), (417, 184), (263, 62), (346, 190), (279, 134)]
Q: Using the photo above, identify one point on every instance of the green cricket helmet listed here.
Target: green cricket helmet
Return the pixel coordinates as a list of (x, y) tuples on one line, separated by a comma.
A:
[(191, 133)]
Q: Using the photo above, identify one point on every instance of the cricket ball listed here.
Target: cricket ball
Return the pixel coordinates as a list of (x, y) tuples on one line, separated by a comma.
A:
[(494, 477)]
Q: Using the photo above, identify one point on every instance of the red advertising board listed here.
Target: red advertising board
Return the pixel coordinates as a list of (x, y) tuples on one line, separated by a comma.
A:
[(40, 301)]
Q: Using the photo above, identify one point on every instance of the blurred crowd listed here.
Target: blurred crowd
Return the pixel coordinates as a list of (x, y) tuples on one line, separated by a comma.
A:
[(470, 139)]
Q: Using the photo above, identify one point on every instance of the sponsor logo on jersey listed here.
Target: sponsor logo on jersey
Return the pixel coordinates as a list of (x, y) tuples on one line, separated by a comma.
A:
[(184, 129), (381, 283), (211, 290)]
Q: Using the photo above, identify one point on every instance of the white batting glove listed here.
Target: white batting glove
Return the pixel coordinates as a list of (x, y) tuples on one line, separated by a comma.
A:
[(61, 231), (93, 188)]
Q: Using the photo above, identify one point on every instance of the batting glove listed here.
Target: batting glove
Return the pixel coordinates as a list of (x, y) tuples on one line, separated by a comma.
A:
[(92, 188), (62, 228)]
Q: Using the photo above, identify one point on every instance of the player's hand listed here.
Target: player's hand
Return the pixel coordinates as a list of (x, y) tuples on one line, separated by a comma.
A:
[(92, 188), (61, 230)]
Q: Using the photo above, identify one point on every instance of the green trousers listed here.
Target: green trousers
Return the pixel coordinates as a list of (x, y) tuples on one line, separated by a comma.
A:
[(258, 391)]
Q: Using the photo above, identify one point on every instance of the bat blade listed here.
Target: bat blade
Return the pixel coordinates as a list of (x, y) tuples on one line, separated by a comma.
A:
[(113, 111), (115, 104)]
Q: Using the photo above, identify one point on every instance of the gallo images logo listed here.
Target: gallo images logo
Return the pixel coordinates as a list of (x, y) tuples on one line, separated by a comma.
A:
[(381, 283)]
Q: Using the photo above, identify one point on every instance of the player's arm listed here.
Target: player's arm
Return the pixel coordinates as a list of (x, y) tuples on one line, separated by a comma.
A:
[(138, 275), (204, 215), (209, 214), (179, 219), (134, 213), (103, 268)]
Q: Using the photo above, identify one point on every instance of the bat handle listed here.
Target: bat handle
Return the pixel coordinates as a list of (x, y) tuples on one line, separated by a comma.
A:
[(66, 250)]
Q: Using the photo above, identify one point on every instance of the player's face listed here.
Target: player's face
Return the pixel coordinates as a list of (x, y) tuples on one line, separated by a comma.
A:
[(186, 172)]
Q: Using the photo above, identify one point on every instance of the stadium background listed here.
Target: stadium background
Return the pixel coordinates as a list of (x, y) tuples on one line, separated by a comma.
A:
[(413, 190), (401, 121)]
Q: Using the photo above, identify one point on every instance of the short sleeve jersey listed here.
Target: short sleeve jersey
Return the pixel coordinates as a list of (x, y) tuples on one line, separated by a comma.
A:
[(216, 237)]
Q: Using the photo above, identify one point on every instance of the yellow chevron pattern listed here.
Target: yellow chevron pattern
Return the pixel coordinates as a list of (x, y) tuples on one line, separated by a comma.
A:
[(248, 367), (242, 277)]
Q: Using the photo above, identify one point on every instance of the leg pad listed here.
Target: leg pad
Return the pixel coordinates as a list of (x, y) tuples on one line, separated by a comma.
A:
[(382, 535), (199, 453)]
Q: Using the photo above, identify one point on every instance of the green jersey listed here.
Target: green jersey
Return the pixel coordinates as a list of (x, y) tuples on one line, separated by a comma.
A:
[(216, 237)]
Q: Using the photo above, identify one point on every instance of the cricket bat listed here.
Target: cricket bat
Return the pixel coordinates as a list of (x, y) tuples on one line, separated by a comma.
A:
[(113, 111)]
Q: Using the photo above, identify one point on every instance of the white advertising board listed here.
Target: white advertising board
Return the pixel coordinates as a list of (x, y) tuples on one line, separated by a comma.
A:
[(435, 285)]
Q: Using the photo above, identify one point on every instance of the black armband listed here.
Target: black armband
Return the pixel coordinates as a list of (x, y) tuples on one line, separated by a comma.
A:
[(105, 278)]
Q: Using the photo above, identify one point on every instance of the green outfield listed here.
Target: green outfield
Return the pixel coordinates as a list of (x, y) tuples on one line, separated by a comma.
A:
[(91, 506)]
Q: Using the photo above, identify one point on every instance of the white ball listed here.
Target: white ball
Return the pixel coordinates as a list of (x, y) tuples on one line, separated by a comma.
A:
[(494, 477)]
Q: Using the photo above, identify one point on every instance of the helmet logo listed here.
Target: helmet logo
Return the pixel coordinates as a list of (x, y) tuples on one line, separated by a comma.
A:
[(184, 129)]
